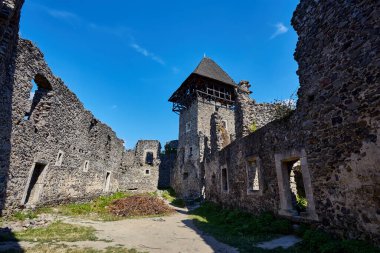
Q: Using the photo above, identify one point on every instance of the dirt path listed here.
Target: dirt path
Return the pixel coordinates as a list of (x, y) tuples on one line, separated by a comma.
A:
[(175, 233)]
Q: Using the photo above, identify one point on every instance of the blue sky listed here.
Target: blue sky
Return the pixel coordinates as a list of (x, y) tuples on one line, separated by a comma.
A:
[(124, 59)]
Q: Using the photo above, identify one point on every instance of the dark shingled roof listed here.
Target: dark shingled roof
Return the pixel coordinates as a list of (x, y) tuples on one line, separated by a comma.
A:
[(208, 68)]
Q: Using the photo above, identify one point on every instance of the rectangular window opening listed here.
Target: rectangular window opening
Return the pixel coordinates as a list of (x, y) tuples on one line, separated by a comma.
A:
[(58, 161), (107, 181), (86, 165), (224, 180), (253, 176), (149, 158)]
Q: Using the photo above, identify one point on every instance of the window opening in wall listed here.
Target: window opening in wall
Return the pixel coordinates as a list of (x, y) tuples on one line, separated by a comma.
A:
[(224, 180), (253, 176), (149, 158), (58, 161), (86, 165), (35, 184), (213, 178), (147, 172), (107, 181), (188, 127), (185, 175), (190, 152), (41, 86), (33, 90), (296, 185), (224, 124)]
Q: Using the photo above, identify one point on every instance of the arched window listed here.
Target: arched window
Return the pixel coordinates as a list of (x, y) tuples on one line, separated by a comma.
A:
[(41, 87)]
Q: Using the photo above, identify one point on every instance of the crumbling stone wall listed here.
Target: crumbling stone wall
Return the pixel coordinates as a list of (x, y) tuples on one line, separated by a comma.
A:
[(250, 115), (140, 174), (9, 26), (52, 149), (334, 131)]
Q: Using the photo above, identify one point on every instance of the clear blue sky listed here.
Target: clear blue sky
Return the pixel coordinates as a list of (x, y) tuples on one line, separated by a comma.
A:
[(124, 59)]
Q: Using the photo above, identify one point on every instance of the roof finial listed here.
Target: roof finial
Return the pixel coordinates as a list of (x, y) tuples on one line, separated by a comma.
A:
[(204, 55)]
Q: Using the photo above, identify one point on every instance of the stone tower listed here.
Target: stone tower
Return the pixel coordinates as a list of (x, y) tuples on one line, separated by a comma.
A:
[(208, 91)]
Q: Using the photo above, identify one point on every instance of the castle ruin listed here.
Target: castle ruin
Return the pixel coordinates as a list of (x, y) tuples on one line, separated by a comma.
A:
[(231, 150), (326, 152)]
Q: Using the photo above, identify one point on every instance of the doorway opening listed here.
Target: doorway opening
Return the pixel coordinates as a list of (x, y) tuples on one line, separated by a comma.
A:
[(35, 184)]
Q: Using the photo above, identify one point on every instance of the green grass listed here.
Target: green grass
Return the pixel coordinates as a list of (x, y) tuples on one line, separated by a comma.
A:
[(243, 231), (238, 229), (61, 248), (170, 195), (56, 231), (28, 214), (96, 209)]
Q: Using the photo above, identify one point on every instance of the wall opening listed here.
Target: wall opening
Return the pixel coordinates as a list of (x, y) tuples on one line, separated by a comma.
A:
[(107, 181), (294, 182), (185, 175), (58, 161), (188, 127), (191, 152), (86, 165), (40, 88), (224, 180), (35, 184), (149, 158), (296, 185), (224, 124), (253, 182), (147, 172), (213, 178)]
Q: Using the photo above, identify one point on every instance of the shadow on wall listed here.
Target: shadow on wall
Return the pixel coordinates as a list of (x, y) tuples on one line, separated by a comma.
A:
[(9, 22), (8, 242)]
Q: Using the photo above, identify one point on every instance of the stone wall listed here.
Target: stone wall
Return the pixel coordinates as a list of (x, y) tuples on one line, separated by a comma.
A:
[(52, 149), (333, 133), (9, 26), (250, 115), (139, 172)]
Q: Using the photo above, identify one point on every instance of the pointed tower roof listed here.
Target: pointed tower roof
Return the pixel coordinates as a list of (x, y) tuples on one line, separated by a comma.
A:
[(208, 68)]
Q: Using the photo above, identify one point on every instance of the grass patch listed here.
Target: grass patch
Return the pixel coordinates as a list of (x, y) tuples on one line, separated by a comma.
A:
[(28, 214), (320, 242), (243, 231), (56, 231), (61, 248), (239, 229), (170, 195)]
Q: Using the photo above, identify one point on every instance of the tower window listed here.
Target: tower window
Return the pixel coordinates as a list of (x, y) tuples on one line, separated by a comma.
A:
[(224, 180), (58, 161), (149, 158), (188, 127), (86, 165)]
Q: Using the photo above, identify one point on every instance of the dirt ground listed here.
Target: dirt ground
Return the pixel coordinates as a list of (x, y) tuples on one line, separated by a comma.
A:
[(170, 234)]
